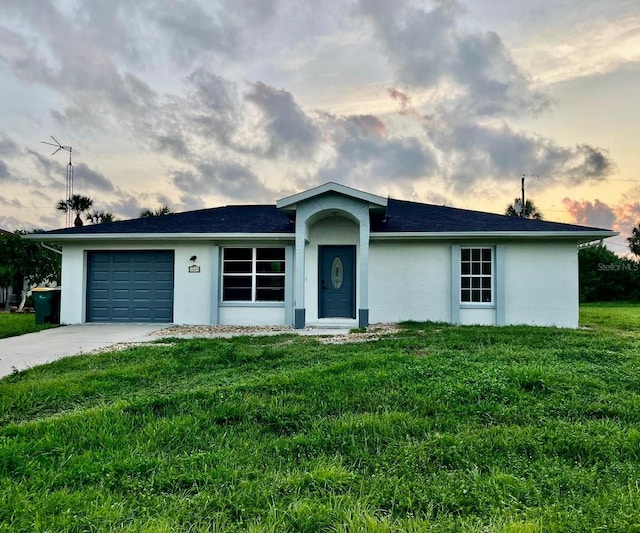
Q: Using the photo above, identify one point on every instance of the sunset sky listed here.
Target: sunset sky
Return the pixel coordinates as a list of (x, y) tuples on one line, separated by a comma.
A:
[(201, 104)]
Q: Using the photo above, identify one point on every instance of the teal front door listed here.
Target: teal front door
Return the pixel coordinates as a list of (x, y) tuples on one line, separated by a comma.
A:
[(337, 282)]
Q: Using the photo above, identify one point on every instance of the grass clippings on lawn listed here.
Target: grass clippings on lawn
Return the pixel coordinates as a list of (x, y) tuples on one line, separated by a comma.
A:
[(436, 427)]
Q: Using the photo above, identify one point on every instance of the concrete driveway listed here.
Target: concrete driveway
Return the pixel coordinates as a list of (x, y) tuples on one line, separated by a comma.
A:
[(25, 351)]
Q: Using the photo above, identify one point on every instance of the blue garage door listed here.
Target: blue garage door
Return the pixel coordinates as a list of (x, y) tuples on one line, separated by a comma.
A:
[(130, 286)]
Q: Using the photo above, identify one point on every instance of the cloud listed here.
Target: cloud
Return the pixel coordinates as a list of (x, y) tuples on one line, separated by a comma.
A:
[(222, 178), (192, 30), (403, 99), (596, 214), (58, 52), (88, 178), (10, 223), (211, 111), (290, 131), (471, 153), (8, 147), (217, 110), (622, 216), (5, 175), (10, 203), (364, 151), (472, 72)]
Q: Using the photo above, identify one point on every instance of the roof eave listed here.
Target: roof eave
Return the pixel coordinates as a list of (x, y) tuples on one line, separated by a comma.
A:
[(577, 236), (81, 237)]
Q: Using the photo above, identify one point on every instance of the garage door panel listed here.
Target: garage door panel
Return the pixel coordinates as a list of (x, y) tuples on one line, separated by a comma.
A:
[(121, 275), (144, 294), (142, 276), (99, 294), (130, 286), (121, 294), (141, 258), (100, 275)]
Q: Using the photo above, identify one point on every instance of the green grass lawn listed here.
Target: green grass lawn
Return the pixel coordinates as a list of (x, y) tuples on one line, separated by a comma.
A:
[(12, 324), (438, 428)]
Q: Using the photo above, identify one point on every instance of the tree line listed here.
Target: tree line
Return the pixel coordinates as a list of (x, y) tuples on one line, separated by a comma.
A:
[(606, 277)]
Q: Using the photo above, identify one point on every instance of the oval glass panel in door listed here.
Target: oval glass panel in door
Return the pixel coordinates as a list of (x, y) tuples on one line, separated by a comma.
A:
[(337, 273)]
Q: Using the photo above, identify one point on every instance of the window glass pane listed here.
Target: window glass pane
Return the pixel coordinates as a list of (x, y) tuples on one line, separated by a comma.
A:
[(237, 267), (269, 266), (475, 283), (486, 283), (270, 281), (465, 254), (270, 288), (236, 288), (276, 254), (232, 294), (486, 296), (466, 283), (475, 254), (465, 296), (475, 296), (238, 254), (270, 295), (486, 269), (486, 254), (475, 268), (466, 268)]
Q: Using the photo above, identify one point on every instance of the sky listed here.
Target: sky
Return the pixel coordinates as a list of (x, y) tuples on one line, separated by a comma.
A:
[(201, 104)]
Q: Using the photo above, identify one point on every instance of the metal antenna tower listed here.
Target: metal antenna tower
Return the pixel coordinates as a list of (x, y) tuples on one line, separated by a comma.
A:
[(59, 147)]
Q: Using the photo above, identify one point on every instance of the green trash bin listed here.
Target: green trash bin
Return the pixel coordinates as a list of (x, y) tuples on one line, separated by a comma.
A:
[(47, 304)]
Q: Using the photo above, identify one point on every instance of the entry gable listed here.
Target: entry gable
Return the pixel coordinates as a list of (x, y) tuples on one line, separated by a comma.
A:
[(377, 204)]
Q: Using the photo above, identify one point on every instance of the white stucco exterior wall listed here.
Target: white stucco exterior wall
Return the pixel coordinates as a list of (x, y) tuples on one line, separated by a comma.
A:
[(541, 284), (409, 281), (192, 304), (74, 285), (252, 316), (478, 316)]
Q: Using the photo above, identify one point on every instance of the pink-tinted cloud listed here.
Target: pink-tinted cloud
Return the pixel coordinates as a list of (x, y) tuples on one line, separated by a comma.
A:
[(586, 213)]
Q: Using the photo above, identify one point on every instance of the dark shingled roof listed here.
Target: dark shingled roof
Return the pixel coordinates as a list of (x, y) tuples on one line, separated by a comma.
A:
[(402, 216), (230, 219)]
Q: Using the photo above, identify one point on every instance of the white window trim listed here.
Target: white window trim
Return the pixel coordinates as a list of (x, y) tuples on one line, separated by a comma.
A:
[(475, 305), (254, 277)]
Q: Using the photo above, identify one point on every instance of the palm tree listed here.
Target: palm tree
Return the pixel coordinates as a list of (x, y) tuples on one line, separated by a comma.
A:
[(78, 204), (99, 217), (164, 210), (530, 210)]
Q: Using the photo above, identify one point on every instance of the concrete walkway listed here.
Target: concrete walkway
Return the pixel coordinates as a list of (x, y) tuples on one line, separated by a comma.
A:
[(32, 349), (25, 351)]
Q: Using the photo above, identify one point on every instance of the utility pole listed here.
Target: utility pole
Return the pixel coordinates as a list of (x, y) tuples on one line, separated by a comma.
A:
[(522, 199)]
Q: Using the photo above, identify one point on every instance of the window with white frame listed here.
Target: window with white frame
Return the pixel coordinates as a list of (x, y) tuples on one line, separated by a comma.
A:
[(253, 274), (476, 275)]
